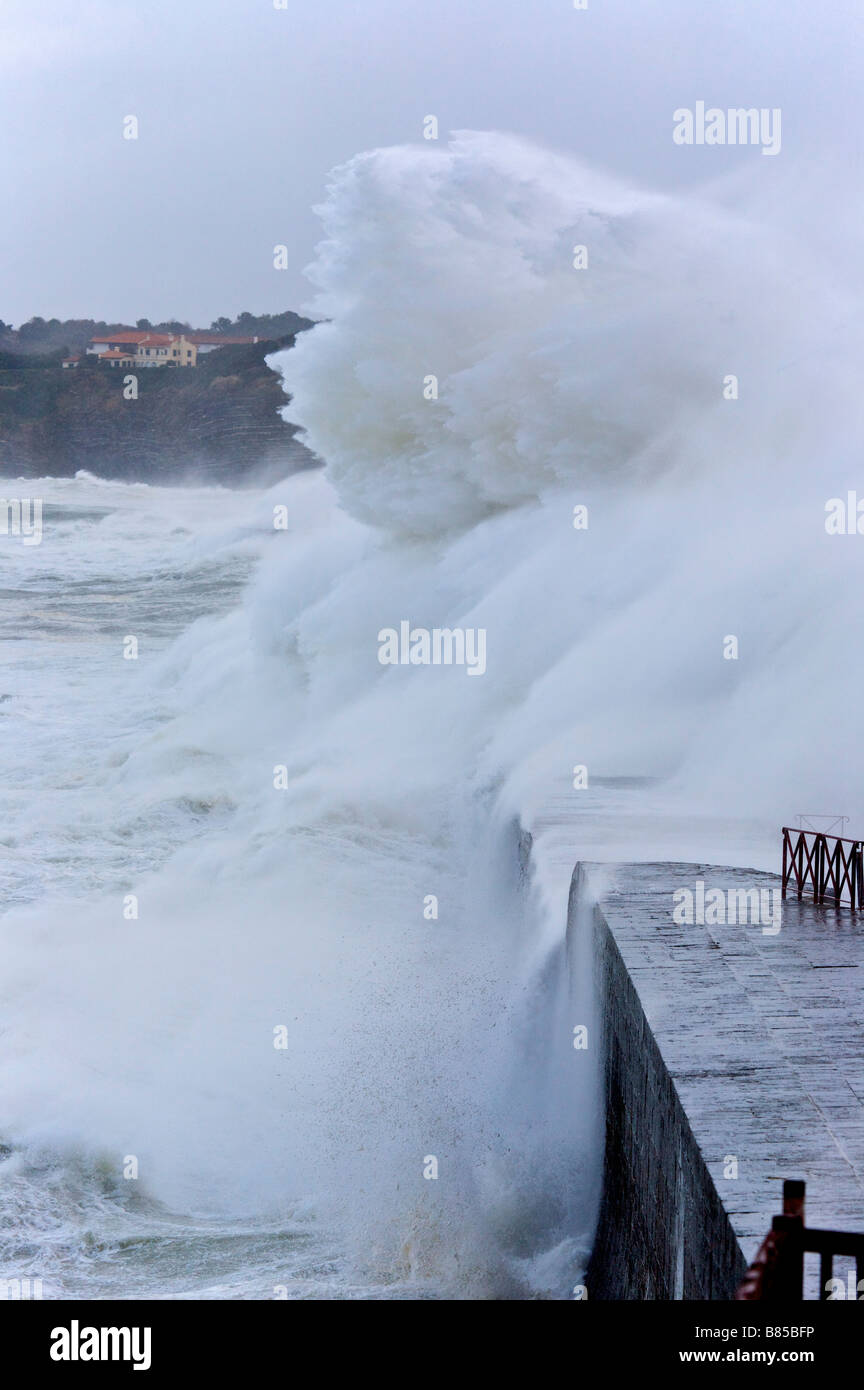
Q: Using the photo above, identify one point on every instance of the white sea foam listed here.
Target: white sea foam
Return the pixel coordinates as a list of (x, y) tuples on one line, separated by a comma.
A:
[(304, 907)]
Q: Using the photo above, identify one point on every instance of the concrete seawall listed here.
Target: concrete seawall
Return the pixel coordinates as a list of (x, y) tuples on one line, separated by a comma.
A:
[(732, 1058)]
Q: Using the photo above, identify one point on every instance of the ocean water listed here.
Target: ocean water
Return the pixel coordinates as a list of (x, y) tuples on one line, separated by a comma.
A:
[(284, 1013), (261, 1172)]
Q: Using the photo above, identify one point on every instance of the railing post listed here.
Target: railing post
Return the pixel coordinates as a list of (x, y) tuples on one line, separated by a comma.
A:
[(820, 869), (794, 1193), (791, 1280), (787, 1286), (800, 865)]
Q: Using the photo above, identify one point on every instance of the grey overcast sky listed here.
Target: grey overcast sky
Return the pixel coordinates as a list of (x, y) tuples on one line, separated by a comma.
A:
[(243, 109)]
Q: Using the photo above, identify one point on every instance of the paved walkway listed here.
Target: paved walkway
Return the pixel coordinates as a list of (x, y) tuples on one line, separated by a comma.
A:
[(762, 1033)]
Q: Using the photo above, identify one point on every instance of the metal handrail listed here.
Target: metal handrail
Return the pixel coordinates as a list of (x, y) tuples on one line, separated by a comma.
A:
[(777, 1272), (818, 861)]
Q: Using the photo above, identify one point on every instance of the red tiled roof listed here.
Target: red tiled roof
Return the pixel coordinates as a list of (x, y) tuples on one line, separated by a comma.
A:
[(115, 352), (133, 337), (125, 336)]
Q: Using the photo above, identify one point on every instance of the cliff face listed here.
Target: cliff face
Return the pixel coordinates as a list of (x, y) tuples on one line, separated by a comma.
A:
[(219, 420)]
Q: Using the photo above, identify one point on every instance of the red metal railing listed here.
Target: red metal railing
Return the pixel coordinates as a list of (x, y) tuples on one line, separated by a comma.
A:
[(777, 1273), (829, 867)]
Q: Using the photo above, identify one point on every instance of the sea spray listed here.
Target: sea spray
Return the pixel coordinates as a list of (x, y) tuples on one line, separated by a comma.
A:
[(299, 915)]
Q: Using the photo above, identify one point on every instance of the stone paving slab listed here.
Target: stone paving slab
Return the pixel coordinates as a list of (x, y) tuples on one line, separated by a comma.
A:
[(763, 1036)]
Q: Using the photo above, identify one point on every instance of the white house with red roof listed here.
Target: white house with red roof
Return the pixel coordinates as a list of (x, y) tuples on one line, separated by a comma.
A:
[(149, 349), (140, 348)]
